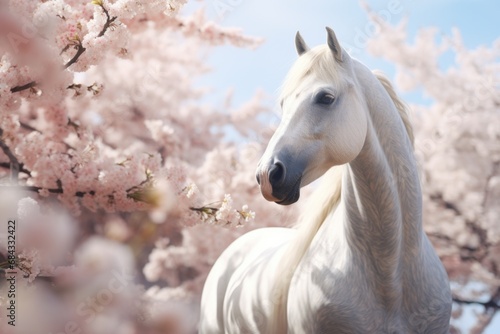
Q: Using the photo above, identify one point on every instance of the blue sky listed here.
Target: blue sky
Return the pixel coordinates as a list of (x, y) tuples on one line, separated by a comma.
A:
[(278, 20)]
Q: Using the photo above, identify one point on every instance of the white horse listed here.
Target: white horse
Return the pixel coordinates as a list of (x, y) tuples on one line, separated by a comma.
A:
[(360, 261)]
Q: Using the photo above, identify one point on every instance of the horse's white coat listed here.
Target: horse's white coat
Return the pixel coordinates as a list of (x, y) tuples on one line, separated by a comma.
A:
[(361, 263)]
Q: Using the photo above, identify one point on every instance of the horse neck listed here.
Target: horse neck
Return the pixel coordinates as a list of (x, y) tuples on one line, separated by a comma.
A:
[(381, 192)]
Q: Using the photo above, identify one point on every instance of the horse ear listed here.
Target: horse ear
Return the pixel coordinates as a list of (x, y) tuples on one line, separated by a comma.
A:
[(300, 45), (334, 45)]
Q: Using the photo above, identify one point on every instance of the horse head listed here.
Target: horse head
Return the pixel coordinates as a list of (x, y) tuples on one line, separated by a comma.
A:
[(323, 124)]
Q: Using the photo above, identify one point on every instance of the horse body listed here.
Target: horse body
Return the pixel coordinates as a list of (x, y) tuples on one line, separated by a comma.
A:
[(237, 293), (361, 263), (371, 268)]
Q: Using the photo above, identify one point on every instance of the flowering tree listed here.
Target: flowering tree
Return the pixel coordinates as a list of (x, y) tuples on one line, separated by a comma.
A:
[(119, 177), (106, 142), (457, 144)]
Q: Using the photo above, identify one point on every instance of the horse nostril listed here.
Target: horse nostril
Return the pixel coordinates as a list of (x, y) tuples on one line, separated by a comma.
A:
[(277, 173), (257, 176)]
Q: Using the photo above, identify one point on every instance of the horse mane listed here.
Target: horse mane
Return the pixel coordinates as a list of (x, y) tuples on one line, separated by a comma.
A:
[(401, 106), (326, 198), (319, 61)]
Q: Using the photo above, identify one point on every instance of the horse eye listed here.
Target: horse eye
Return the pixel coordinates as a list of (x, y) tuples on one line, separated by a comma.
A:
[(324, 98)]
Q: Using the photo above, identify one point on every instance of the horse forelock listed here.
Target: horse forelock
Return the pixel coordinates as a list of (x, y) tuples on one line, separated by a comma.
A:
[(318, 62)]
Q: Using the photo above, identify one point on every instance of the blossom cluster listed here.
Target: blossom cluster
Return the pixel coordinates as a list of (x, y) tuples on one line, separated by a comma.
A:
[(127, 191), (115, 165), (96, 138)]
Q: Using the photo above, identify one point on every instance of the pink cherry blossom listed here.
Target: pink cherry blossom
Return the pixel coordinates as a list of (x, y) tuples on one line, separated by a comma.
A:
[(127, 189)]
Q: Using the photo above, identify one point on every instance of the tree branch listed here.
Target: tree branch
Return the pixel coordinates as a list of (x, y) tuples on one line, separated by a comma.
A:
[(109, 21), (23, 87), (490, 304), (50, 190), (79, 52), (28, 127), (15, 166), (79, 46), (21, 167), (438, 198), (474, 227)]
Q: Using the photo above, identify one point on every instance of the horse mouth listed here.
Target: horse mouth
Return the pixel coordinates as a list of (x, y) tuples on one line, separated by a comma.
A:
[(293, 195)]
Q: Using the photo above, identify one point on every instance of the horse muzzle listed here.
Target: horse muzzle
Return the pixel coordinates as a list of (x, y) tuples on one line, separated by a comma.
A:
[(279, 184)]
